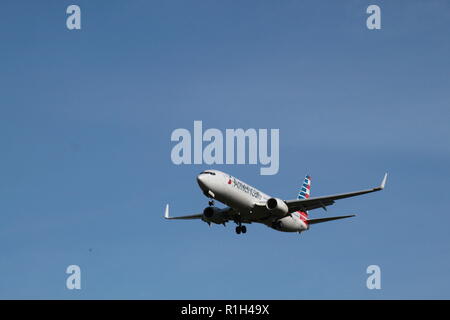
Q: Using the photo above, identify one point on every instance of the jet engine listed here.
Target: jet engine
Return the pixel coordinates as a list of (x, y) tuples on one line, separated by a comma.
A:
[(277, 206), (214, 214)]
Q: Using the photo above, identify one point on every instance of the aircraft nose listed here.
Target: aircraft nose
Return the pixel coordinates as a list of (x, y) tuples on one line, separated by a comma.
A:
[(201, 180)]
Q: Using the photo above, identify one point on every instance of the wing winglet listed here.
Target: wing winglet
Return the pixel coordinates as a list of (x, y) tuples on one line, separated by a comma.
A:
[(383, 183), (166, 212)]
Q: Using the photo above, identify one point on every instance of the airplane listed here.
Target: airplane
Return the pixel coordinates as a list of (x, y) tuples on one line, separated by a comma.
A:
[(246, 204)]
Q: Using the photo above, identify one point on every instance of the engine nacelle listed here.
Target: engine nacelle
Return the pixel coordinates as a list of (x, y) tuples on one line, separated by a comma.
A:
[(277, 206), (213, 214)]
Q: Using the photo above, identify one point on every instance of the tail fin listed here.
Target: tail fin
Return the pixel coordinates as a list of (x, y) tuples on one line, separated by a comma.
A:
[(305, 190), (304, 193)]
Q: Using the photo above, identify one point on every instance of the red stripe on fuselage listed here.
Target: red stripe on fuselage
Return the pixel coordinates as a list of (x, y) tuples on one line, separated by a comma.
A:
[(303, 216)]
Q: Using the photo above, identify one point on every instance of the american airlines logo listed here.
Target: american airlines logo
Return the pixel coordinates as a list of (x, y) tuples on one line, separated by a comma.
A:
[(234, 146), (247, 189)]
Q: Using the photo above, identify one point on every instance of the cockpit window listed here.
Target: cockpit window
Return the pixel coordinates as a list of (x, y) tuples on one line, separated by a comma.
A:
[(208, 172)]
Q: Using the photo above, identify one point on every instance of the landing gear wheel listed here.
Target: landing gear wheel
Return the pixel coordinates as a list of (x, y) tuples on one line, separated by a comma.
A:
[(243, 229), (238, 230)]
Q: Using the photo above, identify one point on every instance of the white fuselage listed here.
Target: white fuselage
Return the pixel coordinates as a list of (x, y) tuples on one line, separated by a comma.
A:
[(247, 200)]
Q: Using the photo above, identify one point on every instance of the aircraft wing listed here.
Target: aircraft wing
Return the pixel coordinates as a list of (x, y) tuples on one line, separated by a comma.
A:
[(190, 217), (314, 221), (323, 202)]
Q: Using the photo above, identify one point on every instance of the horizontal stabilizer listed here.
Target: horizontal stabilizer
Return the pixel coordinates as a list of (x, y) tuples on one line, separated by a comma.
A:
[(314, 221)]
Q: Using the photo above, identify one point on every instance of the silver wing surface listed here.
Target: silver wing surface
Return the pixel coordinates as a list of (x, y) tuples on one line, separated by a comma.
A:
[(190, 217), (323, 202)]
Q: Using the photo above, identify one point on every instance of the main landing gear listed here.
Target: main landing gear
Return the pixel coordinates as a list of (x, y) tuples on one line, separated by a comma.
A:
[(241, 229)]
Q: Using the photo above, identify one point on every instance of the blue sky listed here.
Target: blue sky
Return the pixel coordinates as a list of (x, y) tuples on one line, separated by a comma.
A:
[(86, 118)]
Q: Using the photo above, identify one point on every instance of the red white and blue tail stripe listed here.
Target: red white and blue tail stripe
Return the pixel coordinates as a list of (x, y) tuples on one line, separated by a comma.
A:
[(305, 189), (304, 193)]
